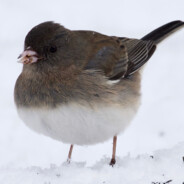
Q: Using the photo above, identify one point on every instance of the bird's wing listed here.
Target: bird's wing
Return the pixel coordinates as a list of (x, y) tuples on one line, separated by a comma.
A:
[(120, 57), (138, 53)]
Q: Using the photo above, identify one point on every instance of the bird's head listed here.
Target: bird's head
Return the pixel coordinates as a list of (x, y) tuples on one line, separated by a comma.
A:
[(45, 42)]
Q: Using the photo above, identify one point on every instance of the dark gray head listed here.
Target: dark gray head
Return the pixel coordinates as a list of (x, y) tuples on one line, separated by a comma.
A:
[(45, 42)]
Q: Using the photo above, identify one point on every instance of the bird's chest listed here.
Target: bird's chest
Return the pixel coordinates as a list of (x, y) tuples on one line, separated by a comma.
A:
[(41, 92)]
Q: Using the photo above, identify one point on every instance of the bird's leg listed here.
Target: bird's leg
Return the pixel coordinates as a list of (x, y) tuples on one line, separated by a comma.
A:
[(70, 153), (113, 160)]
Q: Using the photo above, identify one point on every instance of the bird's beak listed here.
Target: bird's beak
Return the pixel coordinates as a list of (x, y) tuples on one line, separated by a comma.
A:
[(28, 56)]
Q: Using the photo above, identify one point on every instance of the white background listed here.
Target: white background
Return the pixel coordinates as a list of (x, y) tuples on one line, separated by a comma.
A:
[(160, 121)]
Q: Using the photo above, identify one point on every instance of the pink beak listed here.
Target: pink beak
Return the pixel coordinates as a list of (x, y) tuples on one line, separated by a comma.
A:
[(28, 56)]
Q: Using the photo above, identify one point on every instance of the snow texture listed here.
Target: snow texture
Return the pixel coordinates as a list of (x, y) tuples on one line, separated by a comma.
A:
[(166, 166), (151, 149)]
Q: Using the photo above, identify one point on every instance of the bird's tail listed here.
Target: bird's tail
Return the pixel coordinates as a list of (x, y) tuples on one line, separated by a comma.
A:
[(163, 32)]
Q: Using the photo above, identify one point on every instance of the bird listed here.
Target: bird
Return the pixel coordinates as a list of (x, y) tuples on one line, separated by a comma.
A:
[(82, 87)]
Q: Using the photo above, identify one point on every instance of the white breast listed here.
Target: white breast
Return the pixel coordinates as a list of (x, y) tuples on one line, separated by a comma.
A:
[(76, 124)]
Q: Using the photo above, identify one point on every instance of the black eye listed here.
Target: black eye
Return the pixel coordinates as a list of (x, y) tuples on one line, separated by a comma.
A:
[(53, 49)]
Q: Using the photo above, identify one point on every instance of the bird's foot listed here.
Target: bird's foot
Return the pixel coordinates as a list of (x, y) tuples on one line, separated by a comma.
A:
[(68, 161), (112, 162)]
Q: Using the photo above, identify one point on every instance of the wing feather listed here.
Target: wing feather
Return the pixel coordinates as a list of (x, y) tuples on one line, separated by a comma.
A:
[(122, 57)]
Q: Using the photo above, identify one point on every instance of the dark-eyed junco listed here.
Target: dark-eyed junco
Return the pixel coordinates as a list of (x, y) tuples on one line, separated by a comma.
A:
[(82, 87)]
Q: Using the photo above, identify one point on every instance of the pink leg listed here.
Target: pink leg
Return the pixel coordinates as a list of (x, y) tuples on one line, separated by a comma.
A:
[(113, 160), (70, 153)]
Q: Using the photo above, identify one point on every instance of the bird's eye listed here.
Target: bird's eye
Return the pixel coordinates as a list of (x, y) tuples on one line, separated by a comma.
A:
[(53, 49)]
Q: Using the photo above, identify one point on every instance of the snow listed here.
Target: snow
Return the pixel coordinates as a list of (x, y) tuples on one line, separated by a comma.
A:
[(164, 167), (27, 157)]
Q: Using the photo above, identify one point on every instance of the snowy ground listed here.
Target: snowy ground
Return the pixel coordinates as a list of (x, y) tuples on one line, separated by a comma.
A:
[(164, 167), (158, 129)]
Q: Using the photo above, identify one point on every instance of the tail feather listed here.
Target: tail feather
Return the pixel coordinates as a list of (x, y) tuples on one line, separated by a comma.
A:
[(164, 31), (142, 50)]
